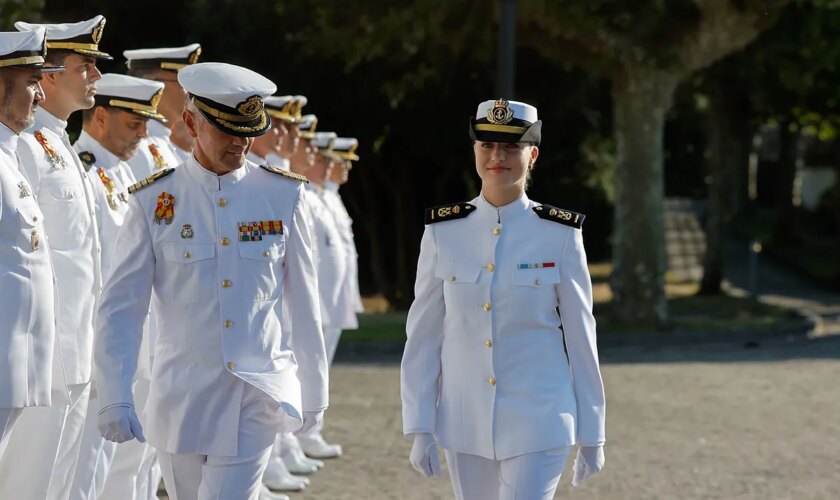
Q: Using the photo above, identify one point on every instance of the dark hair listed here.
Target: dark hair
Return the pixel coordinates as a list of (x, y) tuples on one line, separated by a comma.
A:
[(56, 57), (87, 114)]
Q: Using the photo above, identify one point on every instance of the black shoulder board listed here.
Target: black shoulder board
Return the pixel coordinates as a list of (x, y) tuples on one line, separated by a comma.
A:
[(148, 181), (87, 159), (448, 212), (285, 173), (565, 217)]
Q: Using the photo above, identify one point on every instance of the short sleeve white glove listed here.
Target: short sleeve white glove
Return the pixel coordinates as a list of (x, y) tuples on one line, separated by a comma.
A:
[(311, 419), (119, 423), (589, 460), (424, 455)]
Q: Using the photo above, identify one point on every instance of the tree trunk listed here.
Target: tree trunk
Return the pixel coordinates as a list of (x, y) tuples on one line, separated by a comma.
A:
[(640, 100), (787, 213), (729, 144)]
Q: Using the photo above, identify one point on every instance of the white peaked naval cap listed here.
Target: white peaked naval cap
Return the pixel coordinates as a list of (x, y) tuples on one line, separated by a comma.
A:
[(25, 50), (230, 97), (172, 58), (82, 37), (136, 95), (501, 120)]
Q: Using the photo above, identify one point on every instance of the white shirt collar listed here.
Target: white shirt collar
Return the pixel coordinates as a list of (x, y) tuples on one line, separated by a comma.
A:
[(211, 181), (104, 158), (506, 213), (8, 139), (158, 130), (45, 119)]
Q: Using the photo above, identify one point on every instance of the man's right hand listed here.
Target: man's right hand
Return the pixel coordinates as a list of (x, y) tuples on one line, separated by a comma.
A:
[(119, 423), (424, 455)]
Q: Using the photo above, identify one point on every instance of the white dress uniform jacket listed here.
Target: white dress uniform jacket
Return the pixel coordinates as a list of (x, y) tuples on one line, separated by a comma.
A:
[(65, 195), (27, 336), (332, 261), (154, 152), (111, 177), (345, 225), (217, 300), (484, 323)]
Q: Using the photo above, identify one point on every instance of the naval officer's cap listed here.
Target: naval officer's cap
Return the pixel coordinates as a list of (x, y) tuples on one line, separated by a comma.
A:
[(25, 50), (323, 141), (307, 126), (81, 38), (505, 121), (127, 93), (173, 58), (345, 148), (230, 97), (286, 107)]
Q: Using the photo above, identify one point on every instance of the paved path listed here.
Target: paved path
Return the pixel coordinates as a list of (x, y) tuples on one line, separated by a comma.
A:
[(699, 423)]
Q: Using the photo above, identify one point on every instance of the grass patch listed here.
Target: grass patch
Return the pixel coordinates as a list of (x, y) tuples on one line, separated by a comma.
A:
[(378, 327)]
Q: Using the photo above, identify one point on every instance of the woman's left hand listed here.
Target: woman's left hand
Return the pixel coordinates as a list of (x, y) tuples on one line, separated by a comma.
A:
[(589, 460)]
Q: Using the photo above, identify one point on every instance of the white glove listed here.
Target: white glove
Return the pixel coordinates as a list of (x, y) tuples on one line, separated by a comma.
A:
[(589, 460), (424, 455), (311, 419), (120, 424)]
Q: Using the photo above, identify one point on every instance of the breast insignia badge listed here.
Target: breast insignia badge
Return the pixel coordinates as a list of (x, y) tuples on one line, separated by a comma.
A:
[(187, 231), (165, 210), (24, 190), (160, 161)]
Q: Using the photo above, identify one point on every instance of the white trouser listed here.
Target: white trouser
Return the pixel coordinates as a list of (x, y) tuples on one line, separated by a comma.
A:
[(210, 477), (8, 417), (533, 476), (95, 456), (331, 338), (40, 458), (128, 476)]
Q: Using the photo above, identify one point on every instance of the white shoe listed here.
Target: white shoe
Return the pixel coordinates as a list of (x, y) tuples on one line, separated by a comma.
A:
[(278, 478), (297, 463), (316, 447), (266, 494)]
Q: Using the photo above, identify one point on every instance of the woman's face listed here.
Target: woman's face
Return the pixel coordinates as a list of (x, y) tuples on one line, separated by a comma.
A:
[(504, 164)]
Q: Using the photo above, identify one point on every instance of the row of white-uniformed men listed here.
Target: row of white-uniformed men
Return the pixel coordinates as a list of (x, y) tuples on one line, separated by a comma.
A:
[(71, 201)]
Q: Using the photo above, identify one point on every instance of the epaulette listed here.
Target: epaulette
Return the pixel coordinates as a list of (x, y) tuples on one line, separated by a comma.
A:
[(285, 173), (87, 159), (565, 217), (148, 181), (448, 212)]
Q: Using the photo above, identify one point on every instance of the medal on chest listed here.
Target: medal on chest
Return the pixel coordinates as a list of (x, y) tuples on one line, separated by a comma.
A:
[(56, 161), (109, 188), (24, 189), (165, 210), (255, 230), (160, 161)]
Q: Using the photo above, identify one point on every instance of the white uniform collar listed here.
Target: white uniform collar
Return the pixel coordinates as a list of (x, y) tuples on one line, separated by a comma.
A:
[(211, 181), (157, 129), (506, 213), (104, 158), (8, 139), (331, 186), (45, 119), (254, 158)]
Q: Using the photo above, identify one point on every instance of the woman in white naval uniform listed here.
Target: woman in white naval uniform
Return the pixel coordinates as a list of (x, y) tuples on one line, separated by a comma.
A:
[(501, 366)]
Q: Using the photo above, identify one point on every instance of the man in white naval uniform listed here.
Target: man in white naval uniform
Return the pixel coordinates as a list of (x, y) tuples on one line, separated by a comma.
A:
[(45, 460), (157, 151), (112, 131), (332, 271), (218, 242), (30, 368), (285, 112), (345, 149)]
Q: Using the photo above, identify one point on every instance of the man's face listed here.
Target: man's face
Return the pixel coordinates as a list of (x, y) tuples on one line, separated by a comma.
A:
[(76, 85), (215, 150), (122, 131), (321, 171), (174, 98), (21, 94), (304, 158), (292, 141), (341, 173)]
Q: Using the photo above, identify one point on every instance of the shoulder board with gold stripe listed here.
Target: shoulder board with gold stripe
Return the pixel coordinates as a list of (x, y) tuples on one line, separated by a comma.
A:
[(448, 212), (285, 173), (148, 181), (559, 215)]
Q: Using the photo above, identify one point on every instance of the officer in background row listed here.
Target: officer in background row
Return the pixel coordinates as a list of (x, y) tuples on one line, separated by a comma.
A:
[(112, 132), (30, 367), (157, 151), (285, 112), (220, 241), (45, 460)]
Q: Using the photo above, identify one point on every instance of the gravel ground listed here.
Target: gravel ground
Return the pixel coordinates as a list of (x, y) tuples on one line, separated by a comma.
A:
[(717, 422)]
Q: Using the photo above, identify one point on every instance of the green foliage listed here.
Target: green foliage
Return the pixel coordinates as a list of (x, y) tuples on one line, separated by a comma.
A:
[(15, 10)]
